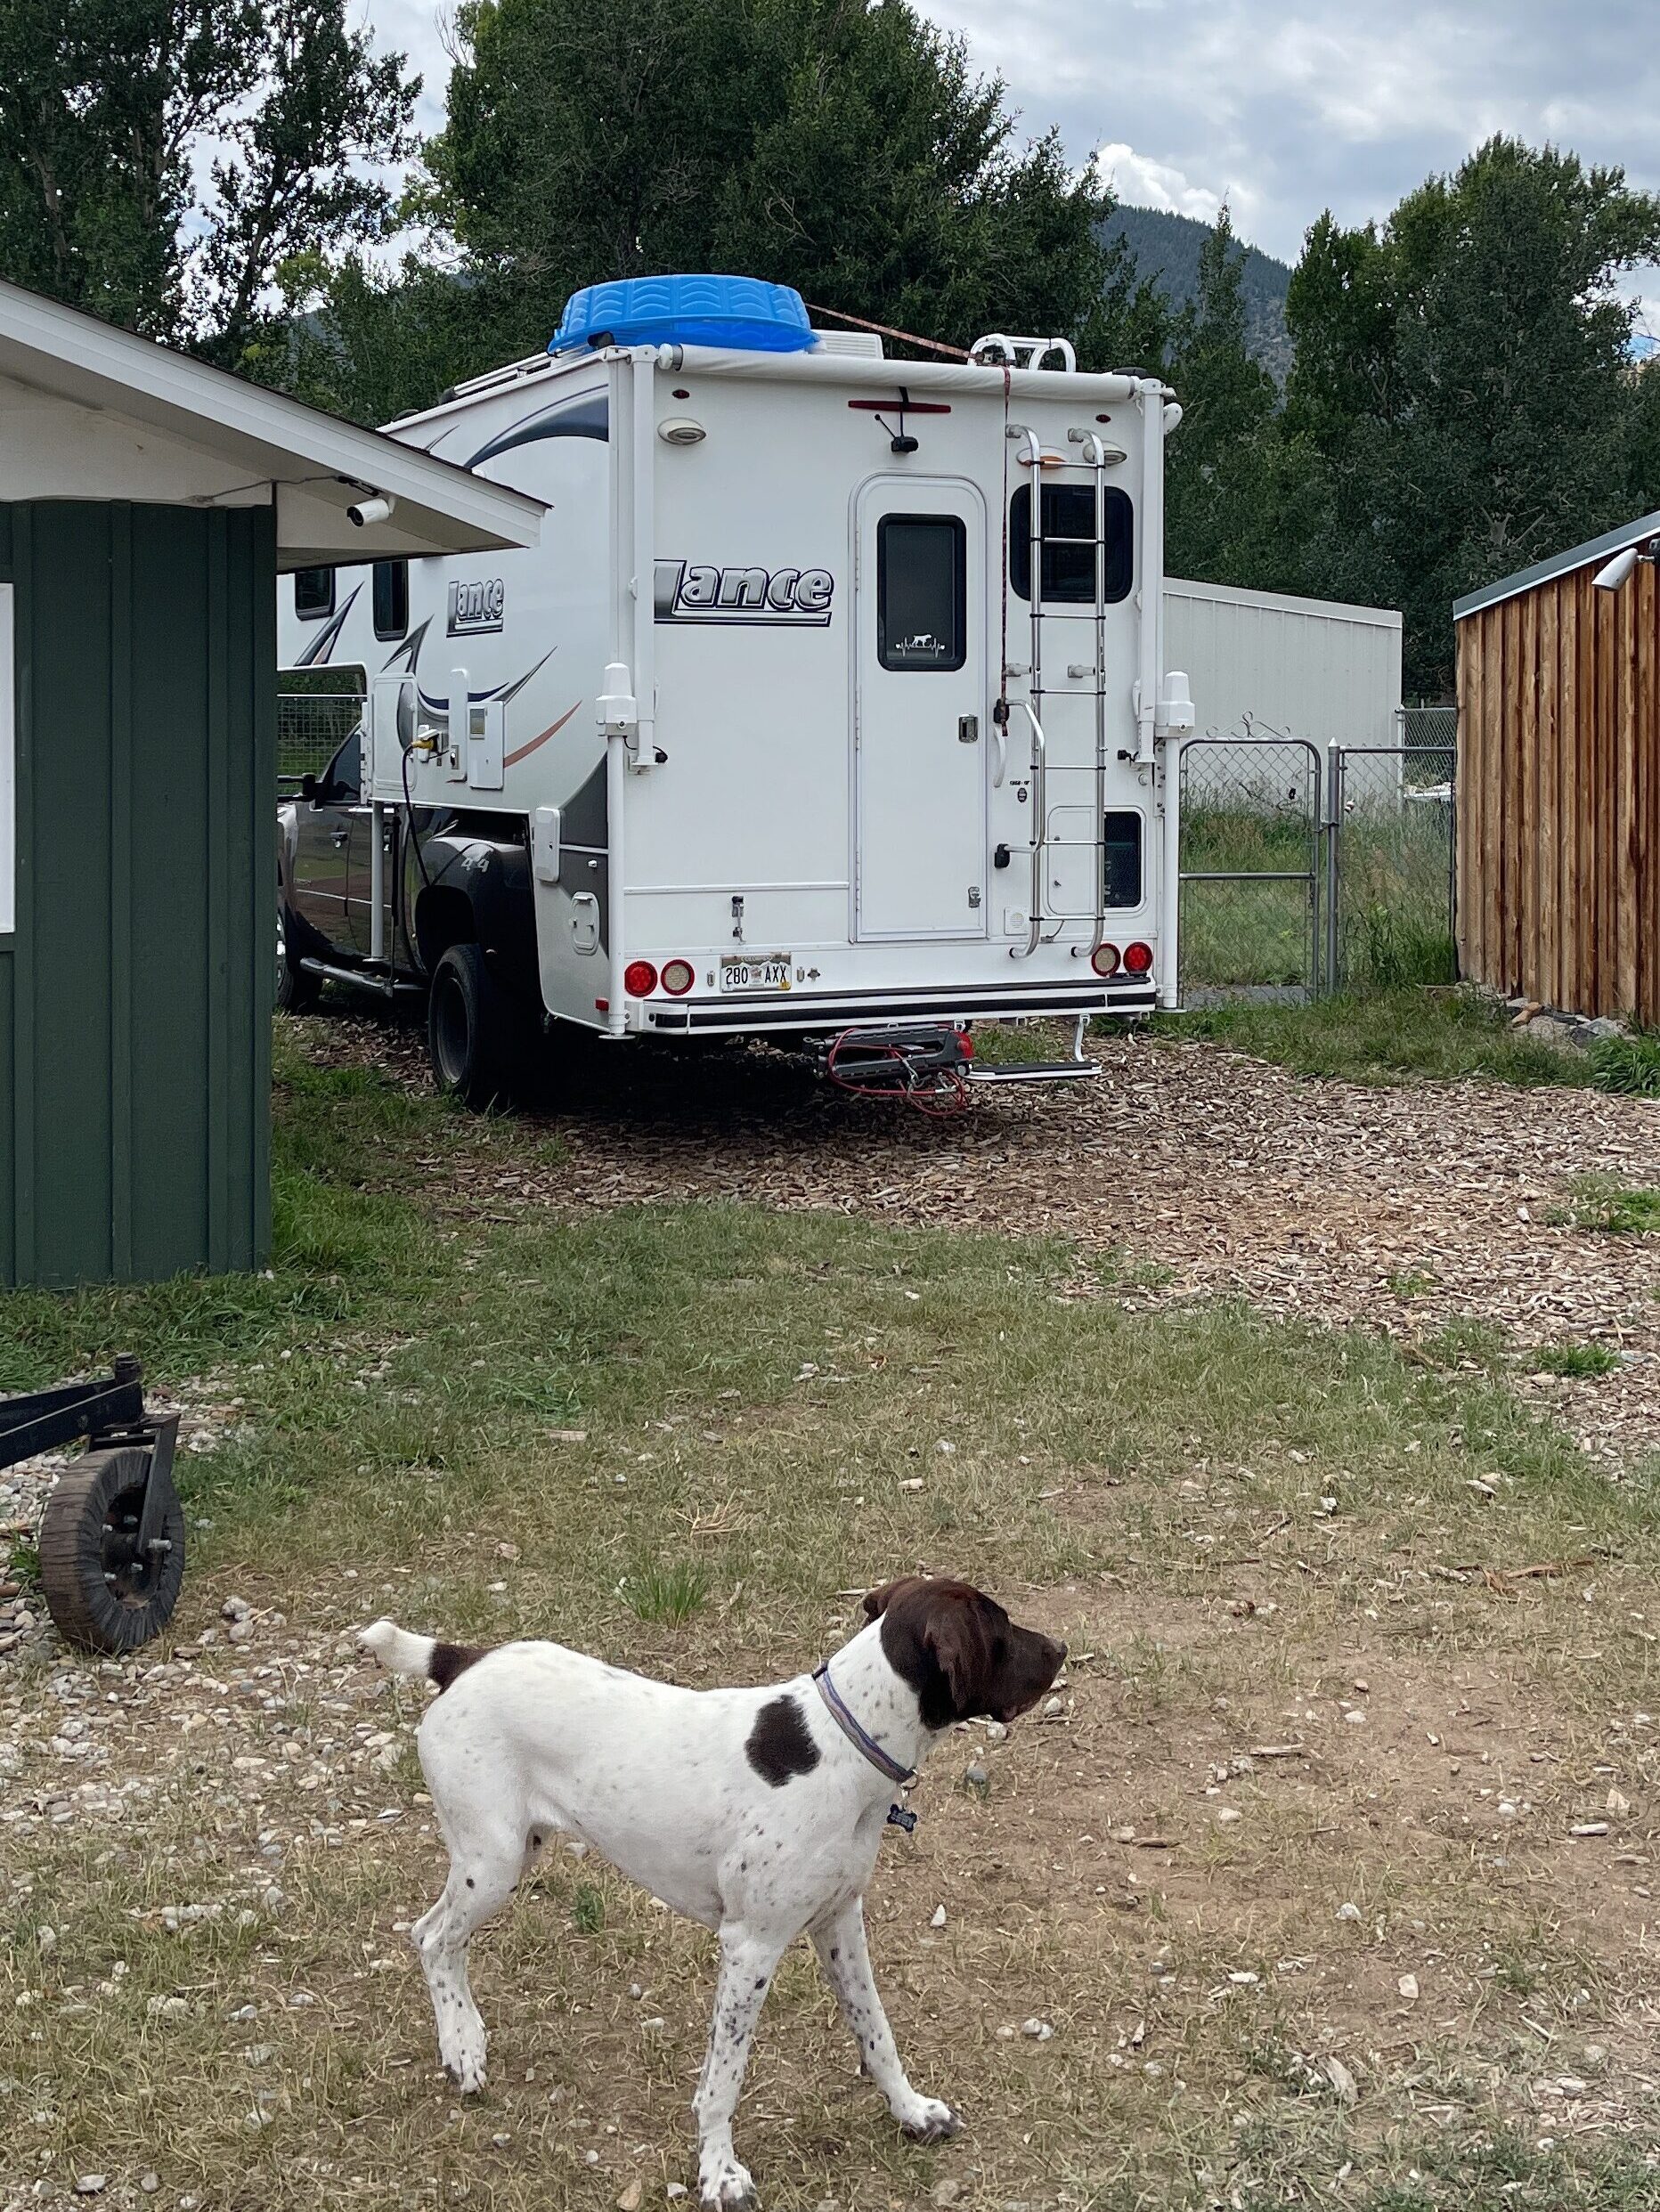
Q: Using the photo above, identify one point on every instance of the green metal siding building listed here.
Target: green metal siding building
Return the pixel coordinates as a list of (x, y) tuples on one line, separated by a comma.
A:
[(136, 986), (138, 776)]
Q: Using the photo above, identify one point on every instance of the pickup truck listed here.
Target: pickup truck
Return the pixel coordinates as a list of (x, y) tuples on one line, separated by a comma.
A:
[(459, 929)]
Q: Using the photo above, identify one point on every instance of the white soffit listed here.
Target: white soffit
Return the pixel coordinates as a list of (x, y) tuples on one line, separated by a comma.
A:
[(90, 412)]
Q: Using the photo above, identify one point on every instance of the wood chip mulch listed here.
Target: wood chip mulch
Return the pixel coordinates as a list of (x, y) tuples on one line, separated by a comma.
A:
[(1401, 1209)]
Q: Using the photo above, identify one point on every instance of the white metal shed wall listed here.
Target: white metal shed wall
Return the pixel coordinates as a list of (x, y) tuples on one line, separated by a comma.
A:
[(1312, 667)]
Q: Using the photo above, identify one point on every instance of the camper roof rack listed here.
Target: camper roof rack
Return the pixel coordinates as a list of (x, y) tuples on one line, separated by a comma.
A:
[(531, 364), (1020, 352)]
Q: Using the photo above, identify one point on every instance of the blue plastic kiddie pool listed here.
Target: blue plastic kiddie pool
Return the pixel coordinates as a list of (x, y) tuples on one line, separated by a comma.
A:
[(739, 312)]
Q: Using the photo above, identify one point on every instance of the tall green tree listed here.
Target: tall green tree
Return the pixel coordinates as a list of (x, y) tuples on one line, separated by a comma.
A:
[(161, 160), (842, 146), (1464, 386), (1220, 457)]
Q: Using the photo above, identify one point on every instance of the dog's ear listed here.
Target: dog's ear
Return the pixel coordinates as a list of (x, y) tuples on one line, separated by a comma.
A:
[(878, 1600), (956, 1637)]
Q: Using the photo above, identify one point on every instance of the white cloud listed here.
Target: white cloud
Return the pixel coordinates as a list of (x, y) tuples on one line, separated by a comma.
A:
[(1146, 184)]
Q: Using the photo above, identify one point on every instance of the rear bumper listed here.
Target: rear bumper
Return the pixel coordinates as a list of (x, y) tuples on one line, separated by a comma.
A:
[(806, 1010)]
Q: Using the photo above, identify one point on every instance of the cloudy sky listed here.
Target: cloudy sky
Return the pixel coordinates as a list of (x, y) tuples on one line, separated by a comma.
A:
[(1285, 107)]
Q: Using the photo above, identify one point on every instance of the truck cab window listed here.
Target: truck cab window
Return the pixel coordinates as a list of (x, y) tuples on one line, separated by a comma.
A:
[(391, 598), (314, 593), (1069, 549), (922, 592), (341, 783)]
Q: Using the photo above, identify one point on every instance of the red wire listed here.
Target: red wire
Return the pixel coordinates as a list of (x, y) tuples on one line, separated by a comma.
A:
[(948, 1095)]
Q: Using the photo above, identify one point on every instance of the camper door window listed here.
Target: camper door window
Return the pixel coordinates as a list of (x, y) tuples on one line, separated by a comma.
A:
[(1069, 544), (922, 592)]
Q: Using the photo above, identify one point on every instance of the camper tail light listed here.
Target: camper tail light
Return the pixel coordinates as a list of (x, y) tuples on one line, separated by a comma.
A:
[(1137, 959), (640, 979), (1104, 960), (678, 977)]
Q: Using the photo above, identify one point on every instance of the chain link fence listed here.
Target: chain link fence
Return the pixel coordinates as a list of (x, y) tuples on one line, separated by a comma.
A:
[(1308, 867), (311, 728), (1390, 869)]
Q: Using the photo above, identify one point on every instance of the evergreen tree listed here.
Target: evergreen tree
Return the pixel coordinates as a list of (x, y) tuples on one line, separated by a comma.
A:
[(1218, 458), (842, 146)]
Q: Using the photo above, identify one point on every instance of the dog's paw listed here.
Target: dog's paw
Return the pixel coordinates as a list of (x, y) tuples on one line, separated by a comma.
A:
[(929, 2120), (465, 2068), (722, 2184)]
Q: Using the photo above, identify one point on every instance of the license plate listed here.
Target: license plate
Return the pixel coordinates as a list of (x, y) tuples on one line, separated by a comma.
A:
[(770, 973)]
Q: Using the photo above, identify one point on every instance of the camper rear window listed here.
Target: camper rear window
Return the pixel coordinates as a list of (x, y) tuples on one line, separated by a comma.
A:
[(1123, 842), (314, 593), (392, 599), (1069, 549), (922, 592)]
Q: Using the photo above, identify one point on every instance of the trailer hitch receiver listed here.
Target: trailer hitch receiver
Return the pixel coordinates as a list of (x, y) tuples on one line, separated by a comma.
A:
[(925, 1066)]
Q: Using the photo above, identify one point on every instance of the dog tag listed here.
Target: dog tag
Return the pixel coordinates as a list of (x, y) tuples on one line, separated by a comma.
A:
[(902, 1816)]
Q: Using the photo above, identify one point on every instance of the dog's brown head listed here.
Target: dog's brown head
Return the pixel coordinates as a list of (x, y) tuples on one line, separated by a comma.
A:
[(959, 1650)]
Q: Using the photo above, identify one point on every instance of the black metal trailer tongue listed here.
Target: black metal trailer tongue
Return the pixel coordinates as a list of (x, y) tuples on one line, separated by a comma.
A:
[(113, 1533)]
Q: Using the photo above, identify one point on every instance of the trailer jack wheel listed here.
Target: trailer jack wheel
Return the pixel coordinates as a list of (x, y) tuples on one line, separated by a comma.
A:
[(107, 1589)]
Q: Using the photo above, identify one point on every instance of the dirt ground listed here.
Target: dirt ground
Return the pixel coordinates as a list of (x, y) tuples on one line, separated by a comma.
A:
[(1263, 1897), (1311, 1874)]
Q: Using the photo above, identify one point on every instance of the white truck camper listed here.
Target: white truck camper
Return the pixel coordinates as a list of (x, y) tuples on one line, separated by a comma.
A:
[(831, 707)]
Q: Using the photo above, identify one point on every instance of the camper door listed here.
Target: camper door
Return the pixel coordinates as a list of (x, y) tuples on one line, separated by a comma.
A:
[(920, 739)]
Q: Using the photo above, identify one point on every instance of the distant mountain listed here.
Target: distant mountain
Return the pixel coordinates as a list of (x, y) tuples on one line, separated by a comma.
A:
[(1166, 247)]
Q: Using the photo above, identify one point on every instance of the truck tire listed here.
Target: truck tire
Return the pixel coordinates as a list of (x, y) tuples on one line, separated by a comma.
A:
[(298, 989), (101, 1595), (476, 1033)]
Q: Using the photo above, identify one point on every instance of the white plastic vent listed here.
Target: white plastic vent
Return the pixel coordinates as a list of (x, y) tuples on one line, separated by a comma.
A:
[(857, 344)]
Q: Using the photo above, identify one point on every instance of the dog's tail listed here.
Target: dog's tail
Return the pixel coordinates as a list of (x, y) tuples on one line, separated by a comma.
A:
[(402, 1653)]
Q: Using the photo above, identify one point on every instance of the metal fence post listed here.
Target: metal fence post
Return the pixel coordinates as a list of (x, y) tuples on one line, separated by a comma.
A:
[(1334, 815), (1453, 861)]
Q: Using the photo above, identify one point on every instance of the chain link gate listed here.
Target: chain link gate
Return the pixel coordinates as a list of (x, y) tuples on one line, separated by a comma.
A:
[(1250, 872), (1307, 868)]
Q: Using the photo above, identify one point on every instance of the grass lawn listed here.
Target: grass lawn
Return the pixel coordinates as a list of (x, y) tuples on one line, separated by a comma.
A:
[(1358, 1642), (1390, 1036)]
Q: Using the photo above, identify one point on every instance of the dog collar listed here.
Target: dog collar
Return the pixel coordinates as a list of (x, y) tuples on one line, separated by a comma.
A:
[(860, 1739)]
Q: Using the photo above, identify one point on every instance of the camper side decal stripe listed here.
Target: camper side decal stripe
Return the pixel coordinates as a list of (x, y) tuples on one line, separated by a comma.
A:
[(523, 752)]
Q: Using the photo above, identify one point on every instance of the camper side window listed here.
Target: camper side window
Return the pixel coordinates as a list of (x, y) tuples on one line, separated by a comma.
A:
[(1069, 544), (314, 593), (392, 599), (922, 592)]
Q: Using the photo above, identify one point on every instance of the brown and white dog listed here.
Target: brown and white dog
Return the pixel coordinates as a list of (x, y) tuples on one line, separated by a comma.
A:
[(758, 1812)]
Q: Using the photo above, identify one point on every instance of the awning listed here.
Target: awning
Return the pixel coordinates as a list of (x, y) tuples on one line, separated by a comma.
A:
[(88, 412)]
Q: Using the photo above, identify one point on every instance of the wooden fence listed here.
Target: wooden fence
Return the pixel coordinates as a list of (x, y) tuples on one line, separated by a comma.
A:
[(1559, 792)]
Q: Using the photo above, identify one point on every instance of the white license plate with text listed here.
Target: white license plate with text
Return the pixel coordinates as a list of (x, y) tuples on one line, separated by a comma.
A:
[(771, 971)]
